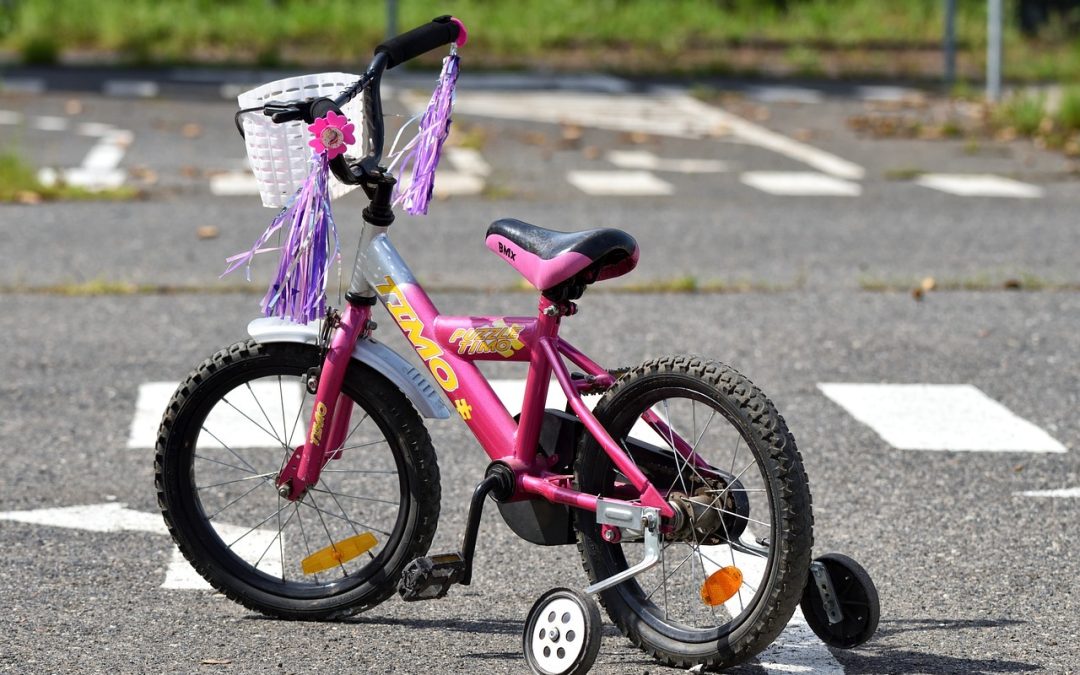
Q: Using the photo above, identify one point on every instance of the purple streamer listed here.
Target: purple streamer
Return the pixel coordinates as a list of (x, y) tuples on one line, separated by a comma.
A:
[(424, 152), (298, 291)]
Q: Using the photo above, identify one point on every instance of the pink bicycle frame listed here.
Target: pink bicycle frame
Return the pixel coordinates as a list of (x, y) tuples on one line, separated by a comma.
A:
[(449, 346)]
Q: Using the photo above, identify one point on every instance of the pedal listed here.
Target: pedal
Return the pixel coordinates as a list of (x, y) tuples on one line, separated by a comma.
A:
[(430, 578)]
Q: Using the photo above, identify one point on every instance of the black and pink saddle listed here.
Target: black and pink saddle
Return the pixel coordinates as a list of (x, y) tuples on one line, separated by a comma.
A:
[(562, 261)]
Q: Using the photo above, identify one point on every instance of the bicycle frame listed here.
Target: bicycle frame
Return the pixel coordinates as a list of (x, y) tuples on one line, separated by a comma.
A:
[(449, 346)]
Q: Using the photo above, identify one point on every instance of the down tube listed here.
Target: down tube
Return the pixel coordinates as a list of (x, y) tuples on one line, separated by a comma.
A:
[(461, 381)]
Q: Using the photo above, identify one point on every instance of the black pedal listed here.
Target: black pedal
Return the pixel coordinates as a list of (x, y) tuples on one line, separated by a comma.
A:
[(431, 577)]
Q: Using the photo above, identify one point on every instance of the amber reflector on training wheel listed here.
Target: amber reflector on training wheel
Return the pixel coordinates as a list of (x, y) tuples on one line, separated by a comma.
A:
[(335, 554), (721, 585)]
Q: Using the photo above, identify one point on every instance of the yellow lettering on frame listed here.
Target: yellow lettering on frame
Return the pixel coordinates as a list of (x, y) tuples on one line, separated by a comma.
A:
[(413, 328)]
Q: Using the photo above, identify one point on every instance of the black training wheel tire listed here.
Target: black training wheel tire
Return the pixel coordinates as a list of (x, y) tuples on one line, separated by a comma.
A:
[(562, 633), (858, 598)]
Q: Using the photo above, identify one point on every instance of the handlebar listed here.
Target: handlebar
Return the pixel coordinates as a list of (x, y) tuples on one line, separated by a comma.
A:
[(440, 31)]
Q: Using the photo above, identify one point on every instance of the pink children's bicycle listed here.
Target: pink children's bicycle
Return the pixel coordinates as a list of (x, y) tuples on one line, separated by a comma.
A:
[(295, 473)]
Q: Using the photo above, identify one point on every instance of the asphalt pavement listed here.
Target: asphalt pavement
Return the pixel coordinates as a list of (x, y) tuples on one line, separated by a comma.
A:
[(972, 550)]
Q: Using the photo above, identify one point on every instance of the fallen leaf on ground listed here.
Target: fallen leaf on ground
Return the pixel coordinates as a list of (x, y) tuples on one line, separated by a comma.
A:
[(191, 130), (27, 197), (73, 106), (207, 231), (928, 284)]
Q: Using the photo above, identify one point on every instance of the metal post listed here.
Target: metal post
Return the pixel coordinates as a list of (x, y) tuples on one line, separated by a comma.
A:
[(391, 18), (950, 42), (993, 50)]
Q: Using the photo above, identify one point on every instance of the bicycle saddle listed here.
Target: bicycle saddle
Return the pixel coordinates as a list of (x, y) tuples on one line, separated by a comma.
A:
[(547, 258)]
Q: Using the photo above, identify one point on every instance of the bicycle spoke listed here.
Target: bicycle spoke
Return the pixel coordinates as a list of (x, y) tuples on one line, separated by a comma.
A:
[(303, 533), (365, 499), (329, 536), (265, 416), (296, 420), (218, 512), (378, 471), (245, 415), (238, 480), (230, 450), (257, 525), (369, 528), (231, 466), (365, 445), (670, 574), (349, 435)]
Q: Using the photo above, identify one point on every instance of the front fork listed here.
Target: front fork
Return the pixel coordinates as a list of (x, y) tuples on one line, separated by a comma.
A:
[(330, 414)]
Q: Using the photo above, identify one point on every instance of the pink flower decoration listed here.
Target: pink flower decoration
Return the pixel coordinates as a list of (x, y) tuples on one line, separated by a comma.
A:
[(332, 133)]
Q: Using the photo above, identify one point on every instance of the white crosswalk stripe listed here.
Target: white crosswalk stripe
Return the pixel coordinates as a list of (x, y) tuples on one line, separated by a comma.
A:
[(956, 417), (800, 184), (619, 183), (643, 159), (979, 185), (1059, 493)]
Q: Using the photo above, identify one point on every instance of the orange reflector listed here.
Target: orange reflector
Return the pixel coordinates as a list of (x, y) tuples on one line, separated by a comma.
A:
[(721, 585), (335, 554)]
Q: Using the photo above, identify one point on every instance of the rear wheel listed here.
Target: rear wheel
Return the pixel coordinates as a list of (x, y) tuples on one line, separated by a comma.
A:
[(228, 431), (746, 524)]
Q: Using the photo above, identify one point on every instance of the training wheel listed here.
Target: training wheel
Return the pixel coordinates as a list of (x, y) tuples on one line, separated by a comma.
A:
[(854, 593), (562, 633)]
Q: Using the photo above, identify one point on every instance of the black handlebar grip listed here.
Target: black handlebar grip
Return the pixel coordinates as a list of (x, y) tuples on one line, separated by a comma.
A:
[(441, 31)]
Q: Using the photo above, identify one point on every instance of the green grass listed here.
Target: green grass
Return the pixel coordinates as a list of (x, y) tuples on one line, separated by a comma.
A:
[(19, 183), (633, 35), (1023, 112)]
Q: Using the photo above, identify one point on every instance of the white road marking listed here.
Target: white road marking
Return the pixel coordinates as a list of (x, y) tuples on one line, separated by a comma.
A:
[(131, 88), (784, 94), (99, 168), (110, 517), (887, 93), (622, 183), (955, 417), (770, 140), (234, 426), (456, 183), (466, 160), (643, 159), (665, 114), (116, 517), (979, 185), (25, 85), (800, 183), (1060, 493), (234, 183), (94, 129), (10, 117), (50, 123)]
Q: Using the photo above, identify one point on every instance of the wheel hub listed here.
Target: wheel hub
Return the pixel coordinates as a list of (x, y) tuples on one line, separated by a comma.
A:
[(713, 514)]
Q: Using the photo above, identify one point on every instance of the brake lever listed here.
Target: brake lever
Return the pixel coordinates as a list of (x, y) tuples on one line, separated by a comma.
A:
[(283, 112)]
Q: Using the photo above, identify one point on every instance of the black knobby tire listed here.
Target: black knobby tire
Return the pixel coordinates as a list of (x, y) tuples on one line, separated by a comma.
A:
[(385, 481), (678, 627)]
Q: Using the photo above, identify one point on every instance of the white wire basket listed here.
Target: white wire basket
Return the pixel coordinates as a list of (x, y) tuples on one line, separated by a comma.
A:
[(279, 154)]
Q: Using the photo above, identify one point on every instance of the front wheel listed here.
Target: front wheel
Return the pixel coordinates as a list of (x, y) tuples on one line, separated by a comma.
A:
[(734, 566), (227, 433)]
